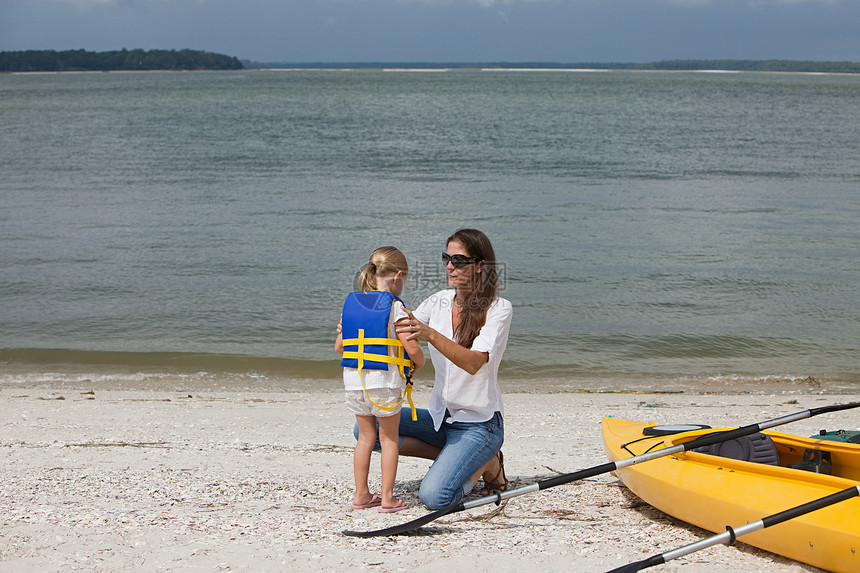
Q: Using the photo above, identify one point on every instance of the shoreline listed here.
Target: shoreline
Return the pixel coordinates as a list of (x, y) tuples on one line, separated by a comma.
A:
[(452, 68), (246, 373), (243, 478), (244, 382)]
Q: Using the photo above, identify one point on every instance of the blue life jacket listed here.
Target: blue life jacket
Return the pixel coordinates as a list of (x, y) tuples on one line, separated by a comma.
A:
[(364, 327)]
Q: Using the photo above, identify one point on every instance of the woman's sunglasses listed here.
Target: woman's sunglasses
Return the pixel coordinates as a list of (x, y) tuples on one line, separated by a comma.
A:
[(458, 261)]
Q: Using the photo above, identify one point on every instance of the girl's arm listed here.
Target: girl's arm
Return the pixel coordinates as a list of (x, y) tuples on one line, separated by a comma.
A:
[(338, 343), (413, 349)]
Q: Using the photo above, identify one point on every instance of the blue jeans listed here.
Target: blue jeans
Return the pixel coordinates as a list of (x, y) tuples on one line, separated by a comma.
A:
[(466, 448)]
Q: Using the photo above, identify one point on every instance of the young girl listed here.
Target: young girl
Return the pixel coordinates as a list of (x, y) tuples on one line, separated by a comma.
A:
[(374, 371)]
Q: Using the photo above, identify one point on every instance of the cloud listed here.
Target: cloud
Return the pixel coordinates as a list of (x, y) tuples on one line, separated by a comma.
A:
[(85, 4), (482, 3), (689, 2), (830, 2), (749, 2)]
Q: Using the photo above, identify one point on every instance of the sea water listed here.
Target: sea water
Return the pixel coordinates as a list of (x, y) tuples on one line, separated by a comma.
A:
[(651, 227)]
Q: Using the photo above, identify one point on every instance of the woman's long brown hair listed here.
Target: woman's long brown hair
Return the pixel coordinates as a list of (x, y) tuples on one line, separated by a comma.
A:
[(485, 288)]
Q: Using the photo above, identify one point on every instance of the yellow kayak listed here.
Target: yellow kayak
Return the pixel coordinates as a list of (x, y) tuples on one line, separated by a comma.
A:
[(713, 492)]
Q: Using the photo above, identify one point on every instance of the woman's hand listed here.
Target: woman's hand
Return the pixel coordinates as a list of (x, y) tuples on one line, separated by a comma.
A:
[(469, 360), (407, 334), (413, 328)]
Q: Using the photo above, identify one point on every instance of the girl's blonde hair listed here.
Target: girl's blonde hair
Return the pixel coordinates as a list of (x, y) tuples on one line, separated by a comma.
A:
[(383, 261)]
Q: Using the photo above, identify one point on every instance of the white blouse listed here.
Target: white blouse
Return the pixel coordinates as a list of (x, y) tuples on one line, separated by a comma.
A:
[(466, 397)]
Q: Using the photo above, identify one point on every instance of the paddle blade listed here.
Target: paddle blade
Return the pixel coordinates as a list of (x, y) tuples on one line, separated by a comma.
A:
[(640, 565), (833, 408), (404, 527)]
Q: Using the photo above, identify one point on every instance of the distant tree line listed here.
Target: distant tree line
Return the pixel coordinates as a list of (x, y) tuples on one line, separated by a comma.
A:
[(757, 66), (81, 60), (673, 65)]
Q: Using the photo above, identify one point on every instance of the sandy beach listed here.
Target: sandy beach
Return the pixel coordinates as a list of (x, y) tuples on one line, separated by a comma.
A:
[(182, 477)]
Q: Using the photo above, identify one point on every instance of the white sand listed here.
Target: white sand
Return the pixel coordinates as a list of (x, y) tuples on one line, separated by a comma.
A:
[(160, 480)]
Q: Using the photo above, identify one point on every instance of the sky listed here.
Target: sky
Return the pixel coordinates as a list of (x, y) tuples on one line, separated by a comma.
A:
[(574, 31)]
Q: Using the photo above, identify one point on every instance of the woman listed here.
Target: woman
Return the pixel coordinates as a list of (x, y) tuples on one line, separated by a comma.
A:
[(467, 329)]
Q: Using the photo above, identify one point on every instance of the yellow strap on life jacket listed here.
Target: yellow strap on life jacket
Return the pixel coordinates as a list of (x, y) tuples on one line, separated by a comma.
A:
[(409, 398), (400, 361)]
